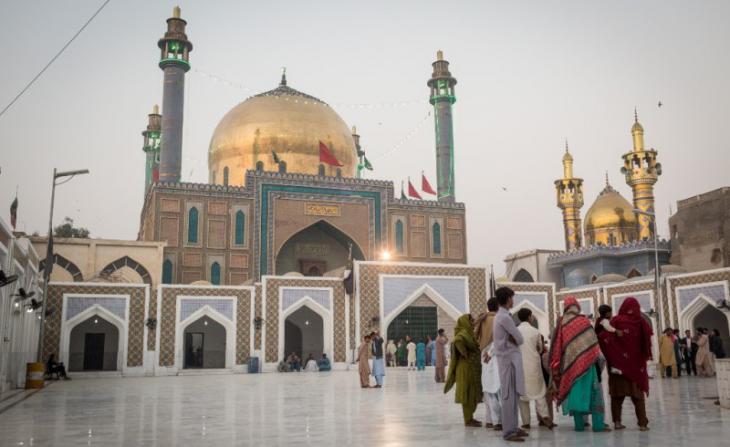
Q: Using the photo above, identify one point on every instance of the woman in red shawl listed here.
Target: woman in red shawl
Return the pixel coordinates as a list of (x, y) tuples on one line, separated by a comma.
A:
[(627, 356), (573, 358)]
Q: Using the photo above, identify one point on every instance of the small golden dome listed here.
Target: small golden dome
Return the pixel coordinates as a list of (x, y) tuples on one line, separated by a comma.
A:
[(285, 121), (610, 220), (637, 127)]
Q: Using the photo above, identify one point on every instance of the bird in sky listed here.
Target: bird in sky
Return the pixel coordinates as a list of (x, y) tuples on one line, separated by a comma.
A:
[(660, 104)]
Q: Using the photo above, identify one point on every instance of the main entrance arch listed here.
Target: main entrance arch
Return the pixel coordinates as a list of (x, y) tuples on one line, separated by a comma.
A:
[(315, 250)]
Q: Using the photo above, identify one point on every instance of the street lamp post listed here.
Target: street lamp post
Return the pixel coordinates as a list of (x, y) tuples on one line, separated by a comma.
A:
[(652, 216), (56, 175)]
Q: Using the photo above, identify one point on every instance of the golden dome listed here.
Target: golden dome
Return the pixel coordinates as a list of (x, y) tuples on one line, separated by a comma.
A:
[(610, 220), (287, 122)]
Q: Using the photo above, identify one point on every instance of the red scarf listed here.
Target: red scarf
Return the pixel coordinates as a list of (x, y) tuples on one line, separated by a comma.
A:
[(630, 352), (574, 349)]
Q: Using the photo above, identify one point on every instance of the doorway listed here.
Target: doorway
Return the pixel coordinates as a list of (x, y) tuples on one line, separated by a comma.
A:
[(94, 351), (194, 342)]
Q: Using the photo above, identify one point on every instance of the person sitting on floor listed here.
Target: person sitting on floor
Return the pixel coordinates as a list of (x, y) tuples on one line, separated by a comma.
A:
[(54, 367), (324, 363), (283, 367), (295, 363), (310, 365)]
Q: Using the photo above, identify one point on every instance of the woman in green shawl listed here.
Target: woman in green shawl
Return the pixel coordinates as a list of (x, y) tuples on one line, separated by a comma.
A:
[(465, 369), (400, 354)]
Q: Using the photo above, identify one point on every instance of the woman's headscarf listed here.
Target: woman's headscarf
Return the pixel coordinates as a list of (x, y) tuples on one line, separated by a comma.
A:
[(463, 333), (630, 352), (573, 350)]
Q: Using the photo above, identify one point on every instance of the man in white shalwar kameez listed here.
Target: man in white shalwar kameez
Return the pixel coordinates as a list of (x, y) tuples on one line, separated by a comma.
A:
[(532, 367), (490, 369)]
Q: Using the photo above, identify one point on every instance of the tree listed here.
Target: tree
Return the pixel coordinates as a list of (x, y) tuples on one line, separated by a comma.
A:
[(67, 229)]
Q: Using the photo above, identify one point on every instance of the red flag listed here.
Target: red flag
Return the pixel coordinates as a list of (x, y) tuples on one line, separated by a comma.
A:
[(326, 157), (412, 191), (425, 186)]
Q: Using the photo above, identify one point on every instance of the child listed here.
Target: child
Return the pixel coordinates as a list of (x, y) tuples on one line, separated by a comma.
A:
[(603, 322), (363, 366), (411, 347)]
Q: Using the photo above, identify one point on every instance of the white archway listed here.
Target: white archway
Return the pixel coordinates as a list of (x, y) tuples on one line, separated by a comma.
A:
[(540, 315), (328, 337), (693, 309), (205, 311), (95, 310), (427, 290)]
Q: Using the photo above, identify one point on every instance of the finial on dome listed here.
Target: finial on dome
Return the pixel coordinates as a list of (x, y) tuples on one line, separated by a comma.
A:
[(607, 183), (155, 109), (636, 115), (566, 146), (439, 55), (176, 12), (283, 76)]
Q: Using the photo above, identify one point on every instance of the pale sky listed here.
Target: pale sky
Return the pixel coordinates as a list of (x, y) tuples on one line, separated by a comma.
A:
[(530, 74)]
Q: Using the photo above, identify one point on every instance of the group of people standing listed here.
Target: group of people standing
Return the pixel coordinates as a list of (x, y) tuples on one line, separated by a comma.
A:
[(411, 354), (506, 366), (415, 356), (697, 353)]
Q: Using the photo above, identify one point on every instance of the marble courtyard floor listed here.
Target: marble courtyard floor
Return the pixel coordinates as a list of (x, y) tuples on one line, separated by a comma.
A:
[(320, 409)]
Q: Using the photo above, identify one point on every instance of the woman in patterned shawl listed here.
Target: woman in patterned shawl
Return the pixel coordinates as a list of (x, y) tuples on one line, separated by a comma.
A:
[(465, 370), (573, 356)]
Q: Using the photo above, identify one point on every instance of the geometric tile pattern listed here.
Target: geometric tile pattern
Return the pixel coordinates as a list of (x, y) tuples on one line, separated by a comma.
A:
[(685, 296), (546, 289), (76, 305), (592, 294), (257, 311), (188, 306), (152, 312), (637, 290), (271, 325), (398, 289), (167, 323), (699, 278), (135, 324), (289, 297), (369, 293)]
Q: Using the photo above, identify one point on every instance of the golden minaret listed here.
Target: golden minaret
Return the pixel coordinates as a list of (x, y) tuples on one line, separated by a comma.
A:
[(642, 171), (570, 200)]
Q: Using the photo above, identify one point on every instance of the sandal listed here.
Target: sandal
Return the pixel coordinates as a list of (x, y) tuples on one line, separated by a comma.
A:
[(619, 426), (473, 423), (643, 428), (514, 438)]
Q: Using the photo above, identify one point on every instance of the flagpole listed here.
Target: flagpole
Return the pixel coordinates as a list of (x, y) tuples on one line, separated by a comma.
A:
[(49, 254), (46, 278)]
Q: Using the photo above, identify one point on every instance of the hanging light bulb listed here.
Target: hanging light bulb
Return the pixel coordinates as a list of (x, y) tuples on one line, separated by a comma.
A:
[(205, 322), (96, 321)]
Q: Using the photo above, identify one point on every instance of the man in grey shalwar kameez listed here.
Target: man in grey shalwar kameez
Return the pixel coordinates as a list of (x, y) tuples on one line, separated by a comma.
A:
[(507, 339)]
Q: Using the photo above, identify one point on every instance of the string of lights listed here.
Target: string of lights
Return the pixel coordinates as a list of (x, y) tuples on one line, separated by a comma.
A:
[(362, 106), (406, 138)]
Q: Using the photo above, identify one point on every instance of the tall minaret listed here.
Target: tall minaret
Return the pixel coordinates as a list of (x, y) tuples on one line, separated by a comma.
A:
[(152, 147), (175, 49), (442, 97), (570, 200), (642, 171)]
